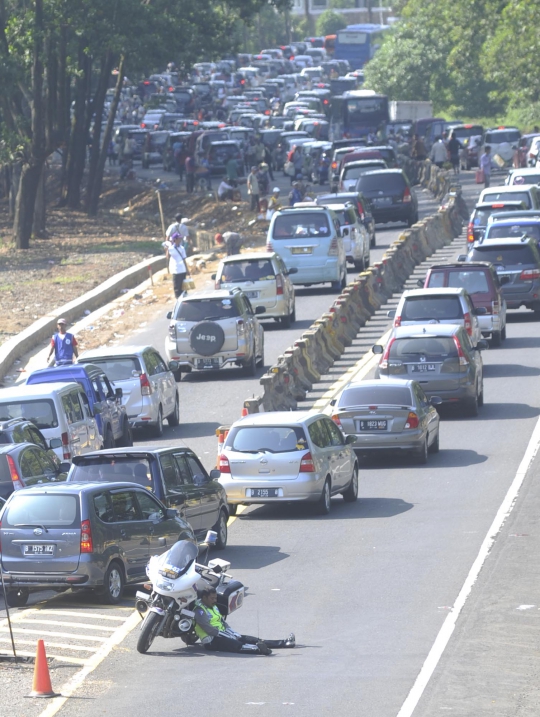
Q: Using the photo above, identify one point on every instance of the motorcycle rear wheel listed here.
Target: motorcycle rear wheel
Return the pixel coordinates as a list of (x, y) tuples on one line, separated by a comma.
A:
[(148, 632)]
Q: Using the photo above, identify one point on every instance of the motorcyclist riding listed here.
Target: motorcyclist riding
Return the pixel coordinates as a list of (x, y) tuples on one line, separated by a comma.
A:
[(216, 635)]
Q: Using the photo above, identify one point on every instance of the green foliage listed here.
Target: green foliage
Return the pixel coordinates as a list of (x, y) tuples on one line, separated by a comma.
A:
[(329, 22)]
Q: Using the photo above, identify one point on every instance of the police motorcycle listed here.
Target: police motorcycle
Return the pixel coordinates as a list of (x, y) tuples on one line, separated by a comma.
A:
[(175, 578)]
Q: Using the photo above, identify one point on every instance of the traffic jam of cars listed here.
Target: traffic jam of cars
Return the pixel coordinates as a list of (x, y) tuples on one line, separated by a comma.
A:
[(82, 470)]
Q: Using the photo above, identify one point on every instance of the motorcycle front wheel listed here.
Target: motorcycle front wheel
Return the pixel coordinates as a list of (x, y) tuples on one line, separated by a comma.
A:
[(148, 632)]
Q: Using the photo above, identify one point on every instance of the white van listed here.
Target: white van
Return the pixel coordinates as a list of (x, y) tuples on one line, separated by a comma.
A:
[(59, 410)]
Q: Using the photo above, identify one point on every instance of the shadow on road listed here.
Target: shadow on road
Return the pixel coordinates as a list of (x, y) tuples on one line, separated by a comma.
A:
[(507, 411), (253, 557), (363, 508), (508, 370), (522, 342)]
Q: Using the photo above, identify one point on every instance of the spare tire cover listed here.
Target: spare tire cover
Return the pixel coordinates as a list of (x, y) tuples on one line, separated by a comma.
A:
[(207, 338)]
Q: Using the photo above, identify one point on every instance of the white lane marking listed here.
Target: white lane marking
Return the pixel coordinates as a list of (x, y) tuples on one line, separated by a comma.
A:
[(24, 630), (525, 607), (93, 616), (60, 658), (34, 621), (63, 645), (448, 626), (78, 678)]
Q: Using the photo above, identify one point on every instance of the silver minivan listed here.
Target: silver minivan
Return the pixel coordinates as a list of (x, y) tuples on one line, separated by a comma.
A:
[(309, 239), (284, 457)]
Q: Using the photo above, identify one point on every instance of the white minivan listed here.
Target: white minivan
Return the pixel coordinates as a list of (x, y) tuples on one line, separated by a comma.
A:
[(59, 410)]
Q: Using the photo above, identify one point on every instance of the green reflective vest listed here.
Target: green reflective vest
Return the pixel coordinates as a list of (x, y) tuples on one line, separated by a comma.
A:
[(216, 619)]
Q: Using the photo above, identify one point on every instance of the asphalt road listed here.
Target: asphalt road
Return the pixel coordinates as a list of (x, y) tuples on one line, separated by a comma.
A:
[(367, 588)]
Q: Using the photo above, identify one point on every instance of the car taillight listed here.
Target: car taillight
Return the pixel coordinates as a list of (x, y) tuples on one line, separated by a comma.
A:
[(530, 274), (87, 545), (334, 166), (269, 245), (468, 323), (495, 307), (462, 358), (407, 195), (333, 250), (240, 327), (306, 464), (143, 125), (384, 360), (470, 233), (172, 331), (14, 474), (361, 210), (146, 388), (65, 446), (279, 285), (397, 320), (223, 464), (337, 421), (412, 420)]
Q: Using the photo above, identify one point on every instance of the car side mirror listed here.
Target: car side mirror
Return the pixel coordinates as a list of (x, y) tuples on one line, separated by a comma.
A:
[(55, 443), (292, 270), (169, 315), (212, 276), (391, 313), (64, 467), (98, 408), (173, 366), (199, 479), (435, 400), (260, 310), (377, 349), (215, 474), (345, 232), (482, 345), (350, 440), (462, 257), (118, 393), (170, 513), (420, 283)]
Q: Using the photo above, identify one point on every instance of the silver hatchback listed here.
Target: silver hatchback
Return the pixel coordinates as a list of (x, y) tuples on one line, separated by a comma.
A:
[(284, 457)]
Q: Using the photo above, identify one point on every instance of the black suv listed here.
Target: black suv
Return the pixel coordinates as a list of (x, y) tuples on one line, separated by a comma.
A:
[(391, 194), (174, 475)]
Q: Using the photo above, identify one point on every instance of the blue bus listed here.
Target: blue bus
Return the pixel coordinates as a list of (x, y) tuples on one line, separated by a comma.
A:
[(357, 113), (358, 43)]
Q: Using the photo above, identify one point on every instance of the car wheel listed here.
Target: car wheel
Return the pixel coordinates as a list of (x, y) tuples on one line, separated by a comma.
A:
[(108, 438), (496, 338), (157, 430), (293, 313), (373, 242), (434, 447), (113, 585), (177, 375), (127, 435), (174, 418), (324, 503), (351, 494), (412, 220), (17, 598), (261, 360), (472, 407), (250, 368), (359, 265), (285, 321), (233, 509), (344, 279), (503, 333), (422, 454), (221, 529), (481, 395)]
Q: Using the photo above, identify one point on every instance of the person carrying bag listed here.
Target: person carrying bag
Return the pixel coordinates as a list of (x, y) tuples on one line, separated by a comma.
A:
[(176, 256)]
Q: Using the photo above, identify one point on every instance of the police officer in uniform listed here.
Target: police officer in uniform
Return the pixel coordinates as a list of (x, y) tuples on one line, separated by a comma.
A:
[(63, 345), (216, 635)]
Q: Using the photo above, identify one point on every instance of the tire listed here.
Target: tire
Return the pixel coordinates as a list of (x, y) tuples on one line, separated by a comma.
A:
[(434, 447), (157, 430), (17, 598), (481, 395), (344, 280), (233, 509), (472, 407), (221, 529), (177, 375), (351, 494), (174, 418), (127, 435), (293, 313), (373, 242), (113, 585), (503, 333), (496, 338), (250, 369), (108, 438), (421, 455), (148, 632), (260, 362), (285, 321), (359, 265), (324, 502), (336, 286), (207, 338), (412, 220)]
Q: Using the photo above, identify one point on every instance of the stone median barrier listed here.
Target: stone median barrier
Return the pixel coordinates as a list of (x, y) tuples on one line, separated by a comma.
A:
[(42, 329), (301, 366)]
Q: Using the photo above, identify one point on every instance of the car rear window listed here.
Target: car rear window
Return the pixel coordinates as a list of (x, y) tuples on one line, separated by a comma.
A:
[(386, 183), (240, 271), (300, 225), (508, 197), (496, 231), (206, 309), (425, 308), (355, 172), (376, 396), (481, 216), (45, 510), (222, 152), (525, 179), (346, 217), (464, 132), (272, 439), (474, 281), (504, 255), (423, 346), (112, 468), (117, 369), (503, 135), (41, 412)]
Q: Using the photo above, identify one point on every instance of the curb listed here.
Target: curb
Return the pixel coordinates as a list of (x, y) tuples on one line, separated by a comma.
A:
[(43, 328)]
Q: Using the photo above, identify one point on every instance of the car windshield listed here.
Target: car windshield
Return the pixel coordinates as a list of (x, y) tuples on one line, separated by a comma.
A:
[(426, 308), (179, 557), (508, 197), (376, 396), (386, 183), (120, 368), (301, 225), (423, 346), (40, 411), (474, 282), (266, 439), (504, 255), (206, 309), (240, 271), (503, 135), (112, 469), (45, 510), (515, 231)]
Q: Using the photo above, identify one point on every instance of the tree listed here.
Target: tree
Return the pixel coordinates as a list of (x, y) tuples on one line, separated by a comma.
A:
[(329, 22)]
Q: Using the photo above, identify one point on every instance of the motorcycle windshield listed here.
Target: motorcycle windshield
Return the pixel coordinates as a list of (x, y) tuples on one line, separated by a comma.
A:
[(178, 559)]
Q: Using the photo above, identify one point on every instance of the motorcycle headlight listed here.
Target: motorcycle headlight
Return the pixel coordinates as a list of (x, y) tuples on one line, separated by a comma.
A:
[(164, 585)]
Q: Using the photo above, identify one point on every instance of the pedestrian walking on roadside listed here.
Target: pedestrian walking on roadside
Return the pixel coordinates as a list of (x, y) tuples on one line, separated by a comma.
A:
[(63, 345), (176, 257), (253, 189), (190, 173), (454, 148), (439, 153), (485, 165), (418, 148)]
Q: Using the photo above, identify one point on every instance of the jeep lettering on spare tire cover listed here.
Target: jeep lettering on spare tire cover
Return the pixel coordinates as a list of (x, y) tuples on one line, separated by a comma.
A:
[(207, 338)]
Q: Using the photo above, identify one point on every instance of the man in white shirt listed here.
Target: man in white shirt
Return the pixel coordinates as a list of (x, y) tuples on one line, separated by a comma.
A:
[(225, 191), (439, 153), (178, 226), (485, 164), (176, 256)]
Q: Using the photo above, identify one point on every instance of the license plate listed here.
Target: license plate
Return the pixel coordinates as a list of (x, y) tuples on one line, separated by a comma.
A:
[(383, 200), (423, 367), (373, 424), (208, 363), (264, 492), (252, 294), (302, 250), (38, 549)]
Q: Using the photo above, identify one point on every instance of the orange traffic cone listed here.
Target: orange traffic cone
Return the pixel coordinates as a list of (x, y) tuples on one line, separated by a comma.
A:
[(41, 686)]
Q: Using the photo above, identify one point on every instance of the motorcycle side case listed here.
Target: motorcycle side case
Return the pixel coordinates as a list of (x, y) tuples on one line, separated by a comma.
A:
[(230, 597)]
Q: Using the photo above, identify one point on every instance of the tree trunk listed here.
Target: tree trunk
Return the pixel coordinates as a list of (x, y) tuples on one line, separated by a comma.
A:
[(94, 190), (78, 138), (24, 206), (39, 228), (14, 187)]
